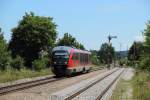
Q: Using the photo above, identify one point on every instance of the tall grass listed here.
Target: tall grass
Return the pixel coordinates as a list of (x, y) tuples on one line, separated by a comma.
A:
[(12, 74), (141, 85), (122, 91)]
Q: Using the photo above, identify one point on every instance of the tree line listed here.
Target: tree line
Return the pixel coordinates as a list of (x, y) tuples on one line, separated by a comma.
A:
[(105, 55), (32, 41), (139, 52)]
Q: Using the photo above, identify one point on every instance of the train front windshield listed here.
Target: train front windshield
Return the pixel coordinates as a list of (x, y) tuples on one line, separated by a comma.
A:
[(60, 57)]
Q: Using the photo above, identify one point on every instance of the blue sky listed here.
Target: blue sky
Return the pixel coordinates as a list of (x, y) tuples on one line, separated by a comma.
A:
[(90, 21)]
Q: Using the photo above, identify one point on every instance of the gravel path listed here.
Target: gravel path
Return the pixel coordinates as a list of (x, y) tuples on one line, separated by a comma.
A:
[(42, 92), (123, 90), (128, 74), (127, 77)]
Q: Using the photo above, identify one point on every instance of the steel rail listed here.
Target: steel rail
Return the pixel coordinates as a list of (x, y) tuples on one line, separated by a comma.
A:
[(109, 86), (84, 89), (25, 85), (16, 87)]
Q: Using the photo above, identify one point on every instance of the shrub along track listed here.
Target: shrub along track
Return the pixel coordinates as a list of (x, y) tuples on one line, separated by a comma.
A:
[(25, 85)]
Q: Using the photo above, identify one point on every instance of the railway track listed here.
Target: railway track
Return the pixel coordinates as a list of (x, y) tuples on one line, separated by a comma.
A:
[(93, 91), (108, 87), (20, 86), (25, 85)]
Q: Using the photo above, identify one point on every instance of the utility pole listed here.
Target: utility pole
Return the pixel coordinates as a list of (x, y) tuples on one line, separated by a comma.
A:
[(109, 51)]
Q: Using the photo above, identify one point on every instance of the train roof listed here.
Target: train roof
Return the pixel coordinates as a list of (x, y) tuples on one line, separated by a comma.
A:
[(67, 48), (82, 51)]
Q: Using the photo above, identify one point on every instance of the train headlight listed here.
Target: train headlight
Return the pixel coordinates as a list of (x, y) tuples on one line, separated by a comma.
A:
[(54, 62)]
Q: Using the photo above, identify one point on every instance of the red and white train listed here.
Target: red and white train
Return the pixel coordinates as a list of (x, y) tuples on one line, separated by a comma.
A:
[(67, 60)]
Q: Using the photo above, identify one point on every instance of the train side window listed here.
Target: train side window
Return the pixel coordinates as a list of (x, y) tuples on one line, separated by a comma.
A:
[(86, 57), (90, 58), (81, 58), (75, 56)]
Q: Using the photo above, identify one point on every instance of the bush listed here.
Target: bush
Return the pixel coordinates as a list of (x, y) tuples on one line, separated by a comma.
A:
[(145, 63), (12, 74), (94, 60), (40, 63), (4, 61), (4, 54), (17, 63), (32, 34)]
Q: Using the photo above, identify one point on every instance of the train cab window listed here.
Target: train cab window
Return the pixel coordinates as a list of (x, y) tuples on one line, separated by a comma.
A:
[(60, 56)]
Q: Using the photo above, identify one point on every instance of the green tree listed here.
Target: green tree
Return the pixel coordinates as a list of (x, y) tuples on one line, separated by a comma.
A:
[(69, 40), (17, 63), (40, 63), (135, 51), (94, 57), (147, 38), (79, 46), (33, 34), (4, 54), (145, 59), (106, 53)]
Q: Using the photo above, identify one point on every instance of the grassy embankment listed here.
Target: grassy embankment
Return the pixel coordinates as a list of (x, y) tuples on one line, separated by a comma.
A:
[(136, 89), (97, 67), (11, 75)]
